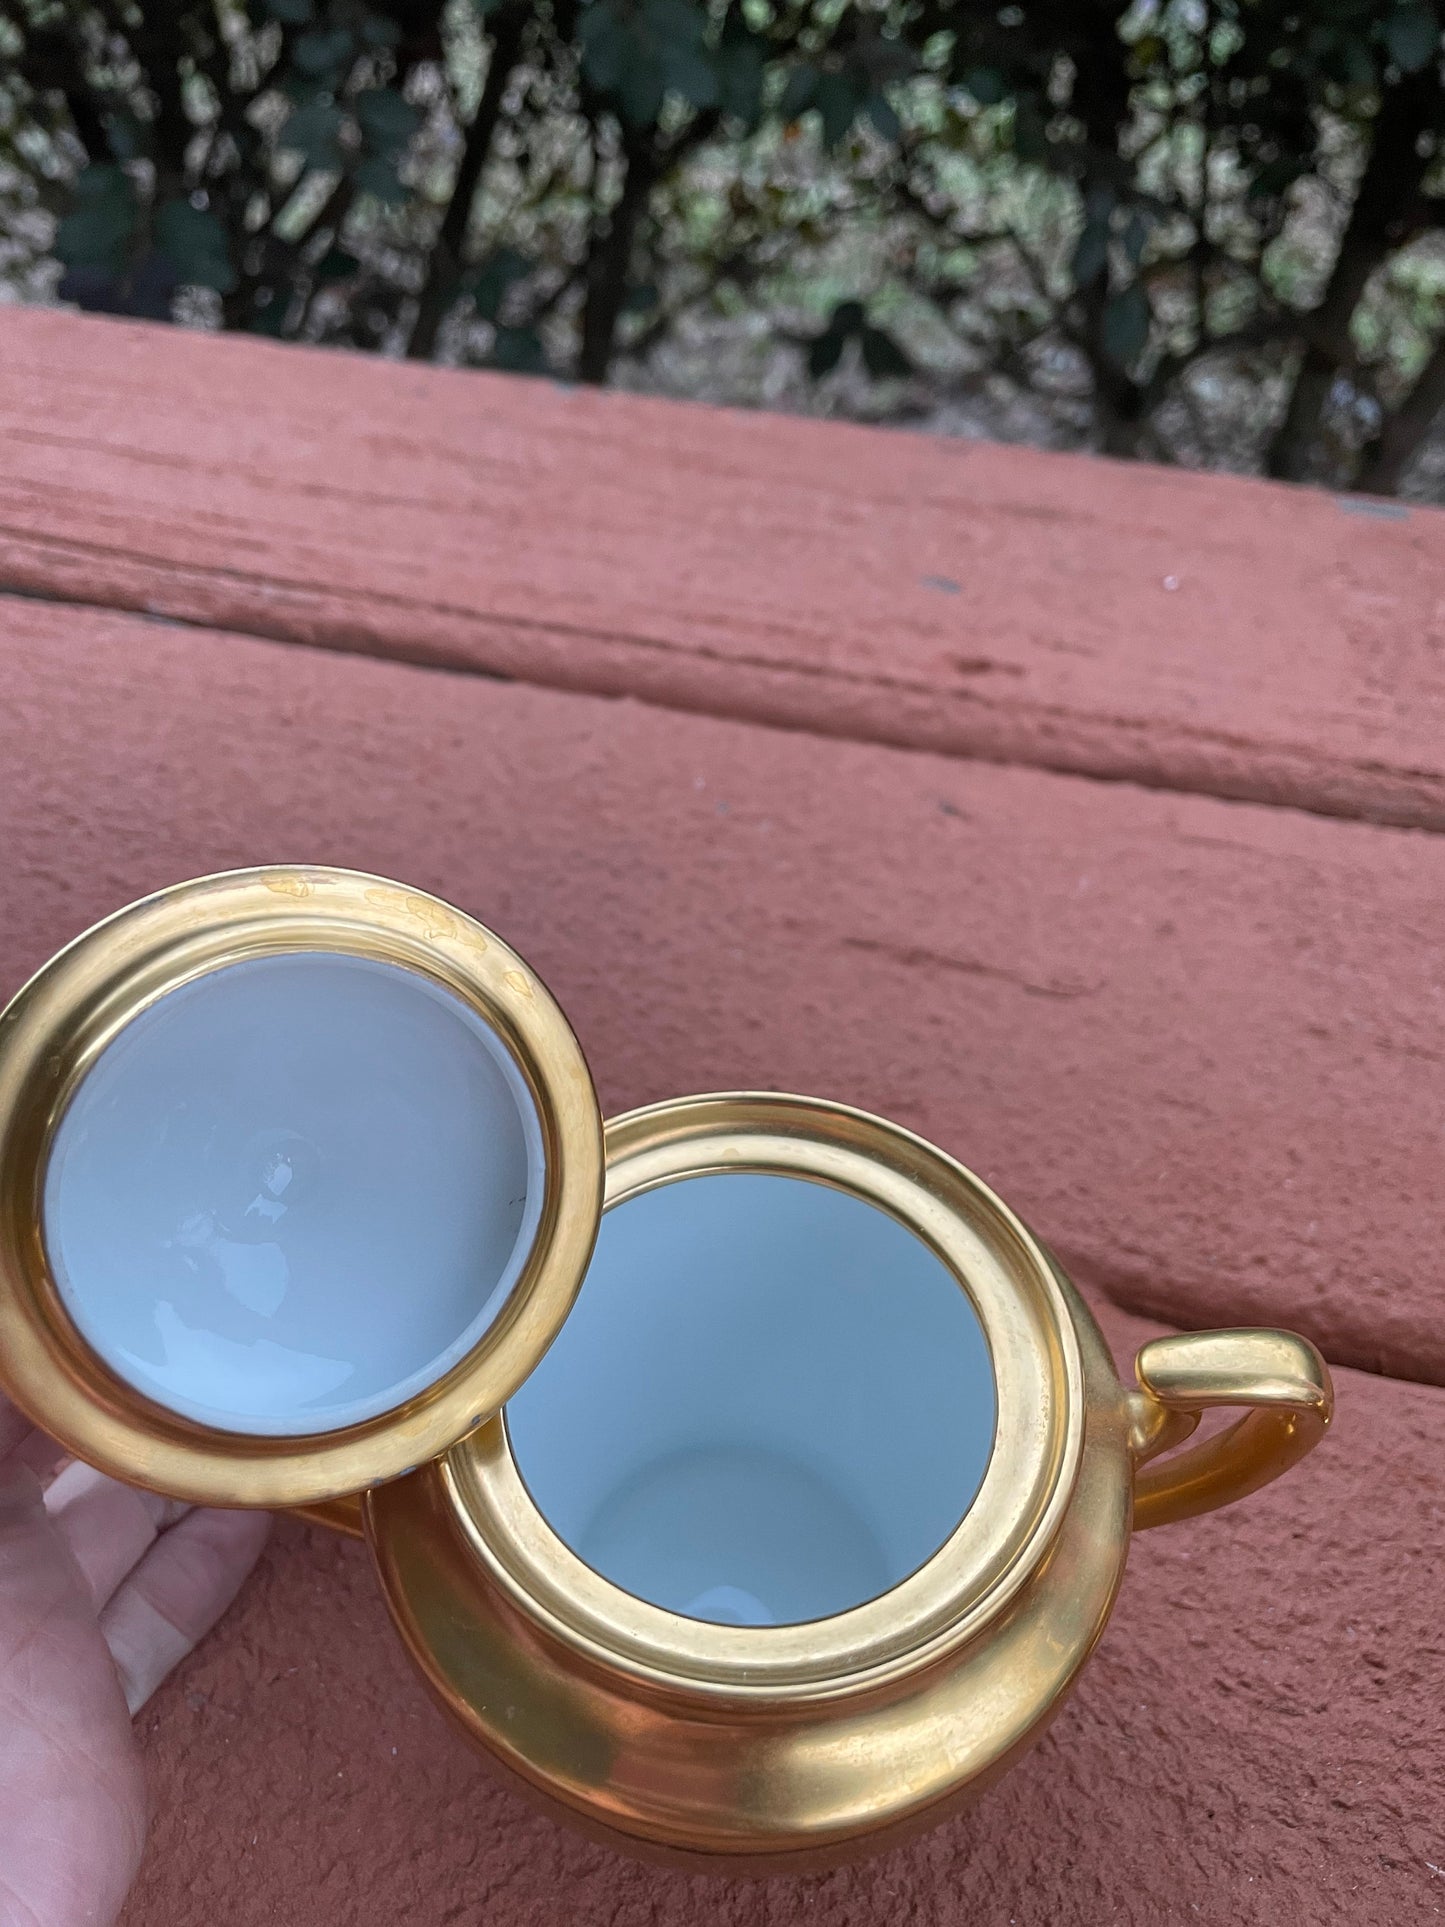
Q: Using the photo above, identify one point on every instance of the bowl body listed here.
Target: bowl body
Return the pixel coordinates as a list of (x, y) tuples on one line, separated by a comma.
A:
[(757, 1748)]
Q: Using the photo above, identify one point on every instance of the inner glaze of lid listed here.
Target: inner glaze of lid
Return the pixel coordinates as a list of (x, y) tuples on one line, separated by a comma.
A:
[(294, 1192), (771, 1402)]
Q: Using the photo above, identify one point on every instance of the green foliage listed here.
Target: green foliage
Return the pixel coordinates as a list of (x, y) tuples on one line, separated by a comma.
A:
[(1411, 33), (1090, 205), (1127, 320), (97, 231), (849, 83), (637, 52), (518, 351), (195, 244), (487, 283), (313, 130), (387, 119)]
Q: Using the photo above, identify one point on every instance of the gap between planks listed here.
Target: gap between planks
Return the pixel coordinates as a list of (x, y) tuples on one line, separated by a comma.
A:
[(789, 705)]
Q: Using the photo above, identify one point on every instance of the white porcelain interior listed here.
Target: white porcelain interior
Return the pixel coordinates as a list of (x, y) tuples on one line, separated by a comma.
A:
[(770, 1403), (294, 1192)]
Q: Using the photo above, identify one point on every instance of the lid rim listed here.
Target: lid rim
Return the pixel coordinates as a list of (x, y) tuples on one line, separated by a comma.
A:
[(56, 1027)]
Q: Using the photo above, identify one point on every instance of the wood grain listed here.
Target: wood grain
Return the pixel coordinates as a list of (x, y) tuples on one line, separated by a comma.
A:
[(1184, 632)]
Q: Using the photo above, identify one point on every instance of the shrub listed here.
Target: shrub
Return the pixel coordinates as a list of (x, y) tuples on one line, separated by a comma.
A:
[(1200, 230)]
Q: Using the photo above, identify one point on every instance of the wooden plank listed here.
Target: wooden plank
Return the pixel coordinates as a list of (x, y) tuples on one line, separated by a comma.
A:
[(1182, 631), (1258, 1741), (1197, 1043)]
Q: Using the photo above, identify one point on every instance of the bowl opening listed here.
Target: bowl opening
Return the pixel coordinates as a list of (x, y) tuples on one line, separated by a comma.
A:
[(772, 1402)]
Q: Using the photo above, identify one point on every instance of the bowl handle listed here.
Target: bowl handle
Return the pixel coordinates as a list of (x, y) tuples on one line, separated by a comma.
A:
[(1280, 1377), (342, 1515)]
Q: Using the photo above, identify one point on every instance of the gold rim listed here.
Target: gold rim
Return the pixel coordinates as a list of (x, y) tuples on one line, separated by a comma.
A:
[(60, 1022), (1026, 1487)]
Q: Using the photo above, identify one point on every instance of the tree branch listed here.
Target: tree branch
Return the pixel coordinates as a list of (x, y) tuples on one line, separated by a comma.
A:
[(156, 42), (609, 258), (1387, 459), (1386, 208), (444, 265)]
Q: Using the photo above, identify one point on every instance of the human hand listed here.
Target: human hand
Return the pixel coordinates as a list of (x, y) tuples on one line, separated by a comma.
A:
[(103, 1590)]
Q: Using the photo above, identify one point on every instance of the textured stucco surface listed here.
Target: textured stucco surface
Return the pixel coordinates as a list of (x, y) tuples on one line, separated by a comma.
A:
[(1165, 1027), (1187, 631)]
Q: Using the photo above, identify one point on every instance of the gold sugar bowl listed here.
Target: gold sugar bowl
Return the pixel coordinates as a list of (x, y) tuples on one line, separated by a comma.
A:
[(749, 1482)]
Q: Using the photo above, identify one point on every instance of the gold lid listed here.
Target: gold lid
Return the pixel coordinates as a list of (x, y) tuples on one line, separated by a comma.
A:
[(56, 1031)]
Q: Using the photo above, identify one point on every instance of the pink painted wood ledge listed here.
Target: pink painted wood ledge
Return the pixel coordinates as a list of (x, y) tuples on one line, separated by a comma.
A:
[(1199, 1044), (1181, 631)]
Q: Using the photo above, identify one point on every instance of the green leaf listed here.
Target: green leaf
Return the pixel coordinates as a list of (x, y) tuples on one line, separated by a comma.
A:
[(740, 65), (638, 53), (688, 71), (194, 242), (882, 356), (488, 282), (798, 90), (377, 176), (518, 351), (677, 21), (337, 264), (314, 130), (605, 45), (1091, 256), (323, 53), (879, 110), (98, 231), (836, 99), (881, 58), (1031, 140), (1355, 62), (987, 85), (127, 135), (1135, 236), (1411, 33), (301, 89), (1127, 317), (378, 31), (641, 90), (291, 13), (388, 120)]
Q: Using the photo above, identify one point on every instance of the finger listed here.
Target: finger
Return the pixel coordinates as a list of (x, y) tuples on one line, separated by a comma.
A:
[(109, 1527), (19, 1438), (177, 1593), (14, 1427), (71, 1787)]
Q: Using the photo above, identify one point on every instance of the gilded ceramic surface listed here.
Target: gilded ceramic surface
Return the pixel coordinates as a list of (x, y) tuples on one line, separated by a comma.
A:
[(60, 1022), (796, 1745)]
